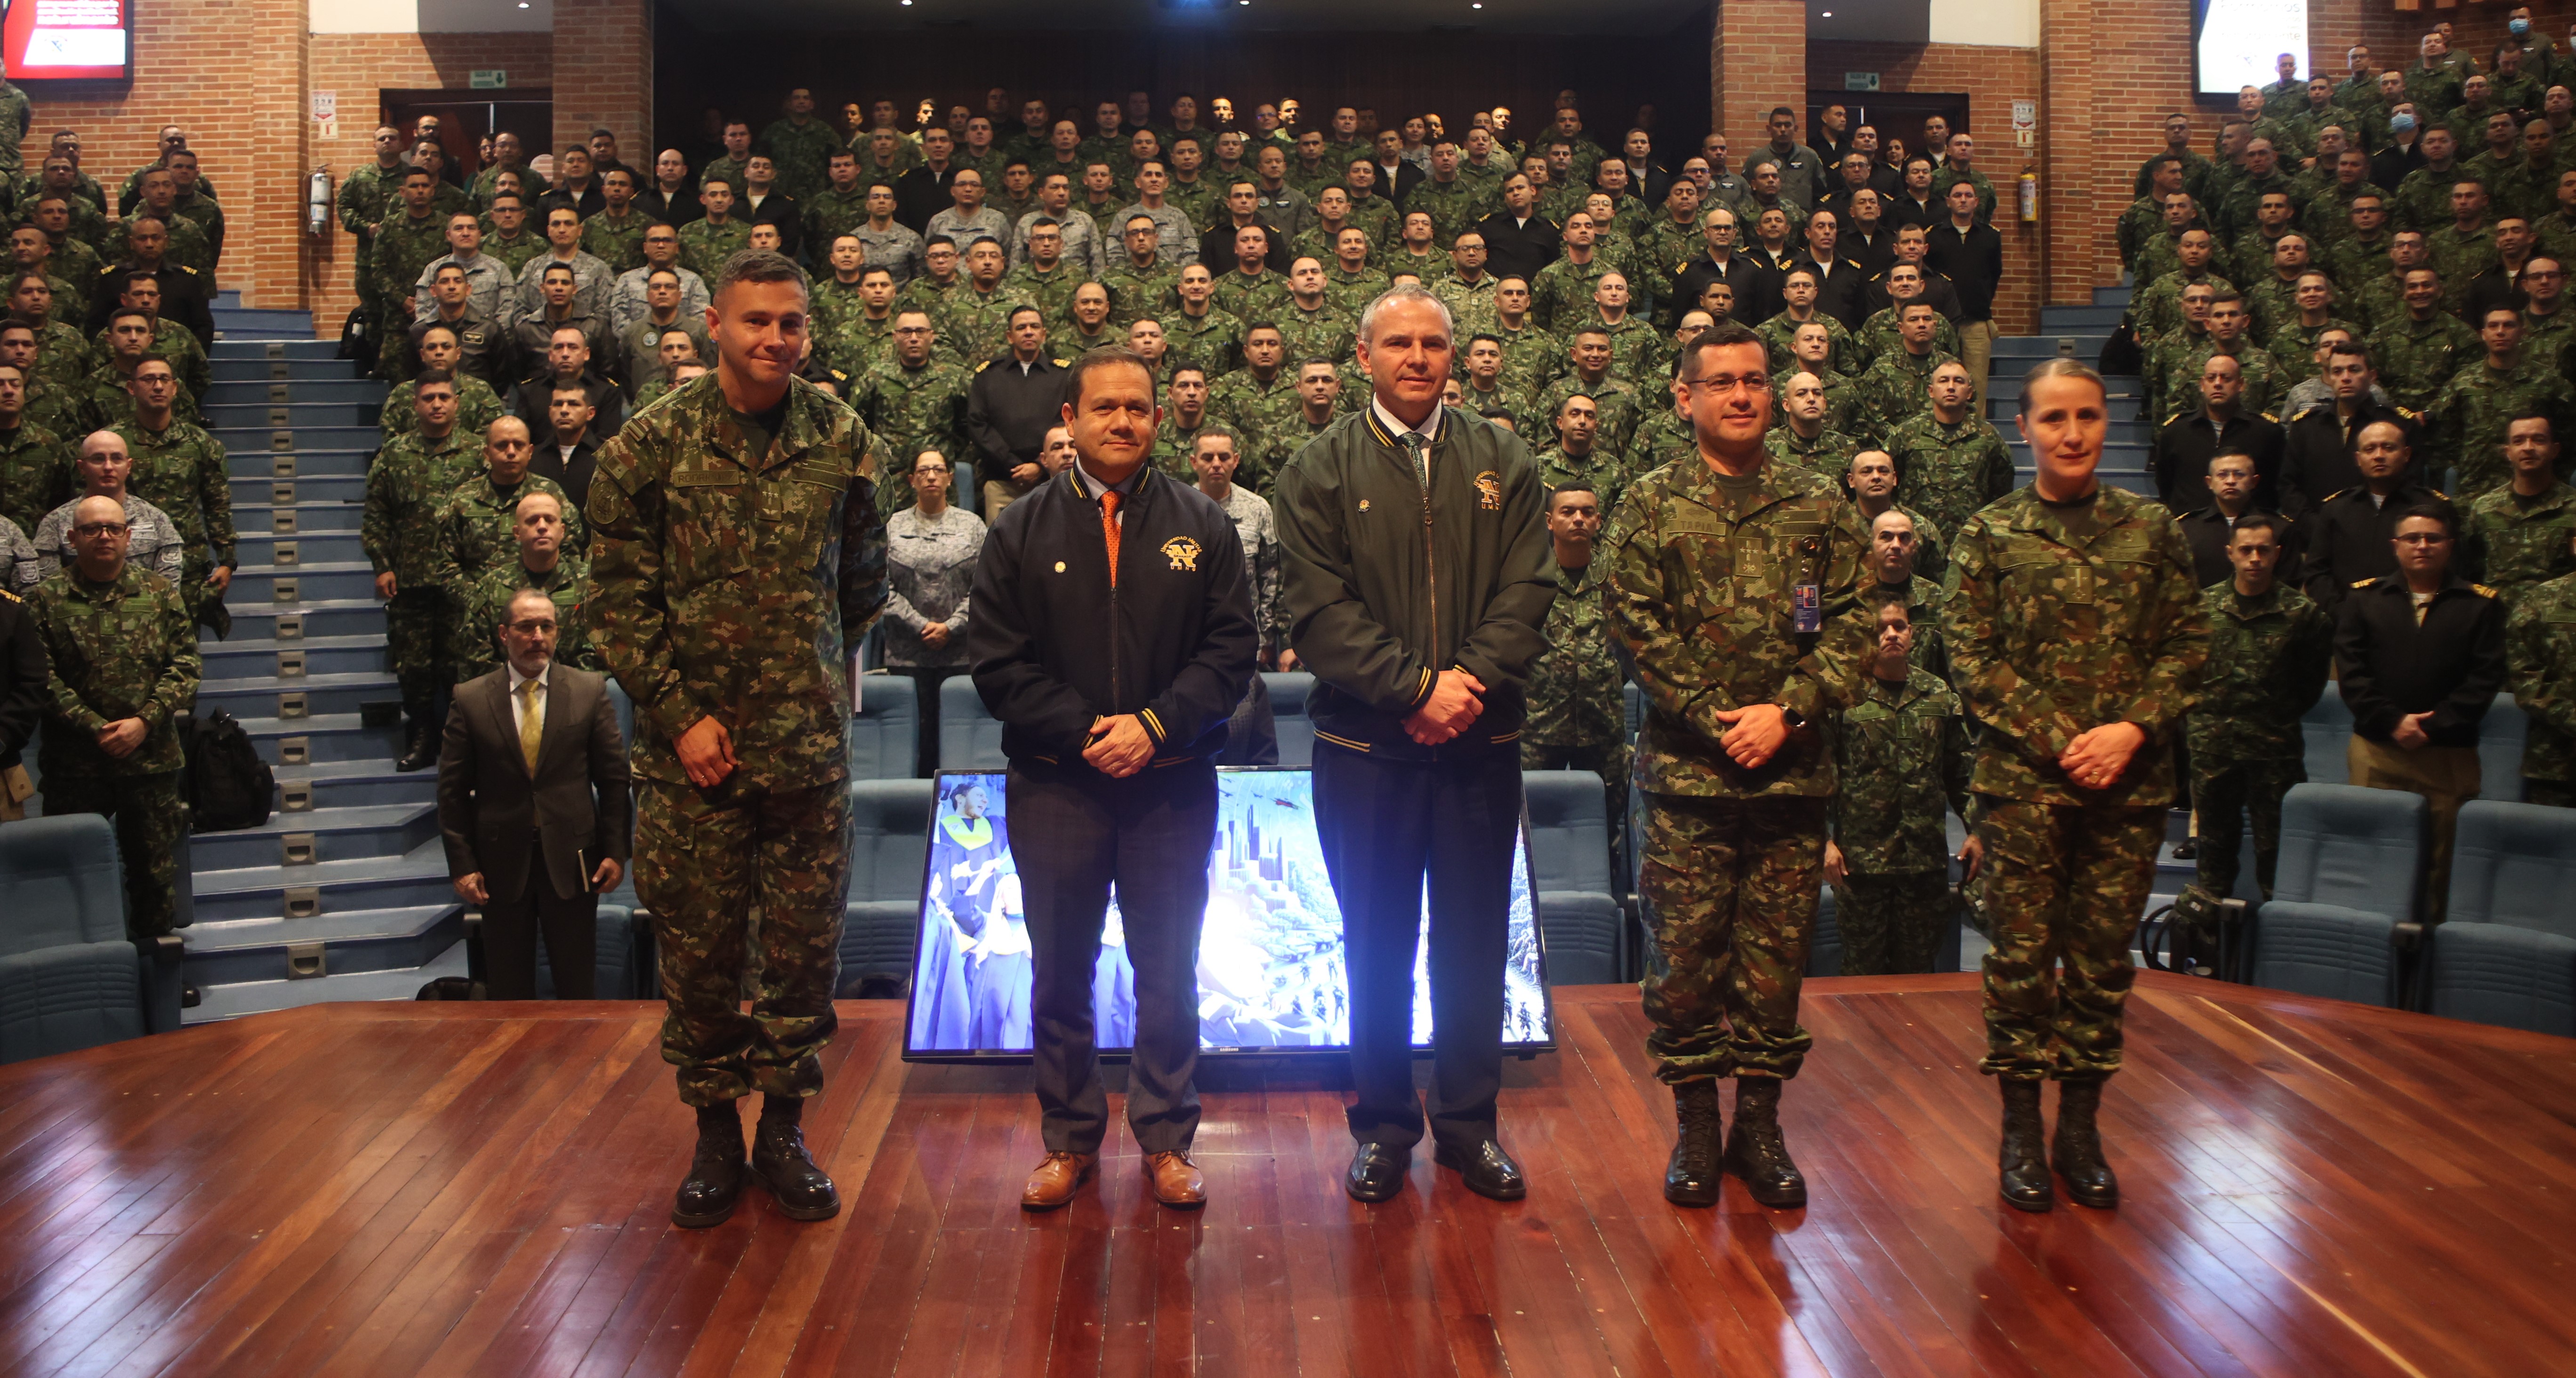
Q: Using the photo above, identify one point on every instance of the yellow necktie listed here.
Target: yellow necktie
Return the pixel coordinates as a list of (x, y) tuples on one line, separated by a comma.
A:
[(532, 722)]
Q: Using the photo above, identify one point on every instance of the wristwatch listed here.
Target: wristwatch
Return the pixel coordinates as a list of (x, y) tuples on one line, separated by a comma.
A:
[(1792, 717)]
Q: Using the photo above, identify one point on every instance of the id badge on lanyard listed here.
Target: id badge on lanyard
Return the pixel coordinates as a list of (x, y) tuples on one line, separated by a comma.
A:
[(1806, 608)]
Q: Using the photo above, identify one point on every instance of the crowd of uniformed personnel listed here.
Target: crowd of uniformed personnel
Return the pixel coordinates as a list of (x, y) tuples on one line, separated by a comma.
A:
[(2340, 315)]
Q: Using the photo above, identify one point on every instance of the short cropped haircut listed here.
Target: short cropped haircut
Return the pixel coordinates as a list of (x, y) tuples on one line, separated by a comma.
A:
[(1401, 296), (1096, 360), (759, 265)]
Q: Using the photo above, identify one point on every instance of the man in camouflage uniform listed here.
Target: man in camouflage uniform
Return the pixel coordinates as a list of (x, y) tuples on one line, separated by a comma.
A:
[(543, 565), (2227, 321), (35, 465), (2516, 537), (1577, 719), (739, 555), (1901, 759), (406, 485), (2419, 352), (1806, 436), (123, 652), (2269, 647), (478, 520), (1899, 384), (2076, 638), (705, 243), (615, 236), (181, 469), (404, 244), (1949, 463), (2540, 657), (799, 144), (2468, 417), (1733, 586), (856, 332), (913, 401), (1574, 455), (1046, 279), (477, 406), (974, 320)]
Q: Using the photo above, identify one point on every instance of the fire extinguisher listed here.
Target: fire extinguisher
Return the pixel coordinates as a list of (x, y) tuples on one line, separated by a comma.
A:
[(2029, 196), (317, 200)]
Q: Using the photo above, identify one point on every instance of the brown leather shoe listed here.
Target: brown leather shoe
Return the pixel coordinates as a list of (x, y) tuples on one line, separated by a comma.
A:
[(1056, 1179), (1176, 1183)]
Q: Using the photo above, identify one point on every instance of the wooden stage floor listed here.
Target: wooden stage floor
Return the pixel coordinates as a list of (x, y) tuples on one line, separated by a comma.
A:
[(433, 1189)]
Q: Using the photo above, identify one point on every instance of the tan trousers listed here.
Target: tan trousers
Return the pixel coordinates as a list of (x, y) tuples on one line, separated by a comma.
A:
[(2446, 776), (15, 790), (1977, 351), (998, 496)]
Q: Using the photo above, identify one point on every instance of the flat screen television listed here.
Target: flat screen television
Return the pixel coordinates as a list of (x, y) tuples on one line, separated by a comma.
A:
[(1271, 979), (2235, 42), (67, 40)]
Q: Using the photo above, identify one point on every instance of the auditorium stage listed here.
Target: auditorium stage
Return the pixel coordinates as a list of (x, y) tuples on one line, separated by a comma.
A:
[(432, 1189)]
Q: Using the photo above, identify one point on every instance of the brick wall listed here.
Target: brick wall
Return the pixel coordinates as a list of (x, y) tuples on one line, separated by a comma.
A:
[(2110, 73), (359, 66), (1757, 59), (1993, 79), (603, 71)]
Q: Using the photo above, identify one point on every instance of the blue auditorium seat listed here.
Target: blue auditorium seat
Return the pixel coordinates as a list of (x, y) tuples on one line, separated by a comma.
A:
[(2506, 952), (623, 960), (889, 844), (969, 737), (1825, 950), (885, 734), (1584, 929), (1288, 690), (2500, 738), (69, 977), (2351, 862), (2328, 729)]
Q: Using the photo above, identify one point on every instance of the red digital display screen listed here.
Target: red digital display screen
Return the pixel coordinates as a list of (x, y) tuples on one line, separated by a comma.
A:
[(68, 40)]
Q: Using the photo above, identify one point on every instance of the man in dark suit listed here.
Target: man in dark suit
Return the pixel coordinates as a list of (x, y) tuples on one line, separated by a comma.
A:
[(533, 805), (1113, 637)]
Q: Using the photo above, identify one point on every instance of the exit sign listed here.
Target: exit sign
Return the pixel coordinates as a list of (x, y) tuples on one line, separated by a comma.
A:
[(495, 78), (1860, 81)]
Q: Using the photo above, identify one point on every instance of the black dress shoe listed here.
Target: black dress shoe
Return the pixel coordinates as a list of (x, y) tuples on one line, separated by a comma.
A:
[(1377, 1173), (779, 1160), (2187, 849), (1490, 1172), (714, 1184)]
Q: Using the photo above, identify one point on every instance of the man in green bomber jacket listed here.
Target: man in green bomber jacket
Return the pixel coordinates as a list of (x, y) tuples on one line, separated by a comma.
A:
[(1417, 580)]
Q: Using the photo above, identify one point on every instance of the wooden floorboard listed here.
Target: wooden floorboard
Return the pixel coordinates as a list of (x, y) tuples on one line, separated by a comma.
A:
[(432, 1189)]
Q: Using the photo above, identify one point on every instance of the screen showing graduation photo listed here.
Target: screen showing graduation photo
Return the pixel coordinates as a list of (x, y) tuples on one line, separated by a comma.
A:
[(1270, 952)]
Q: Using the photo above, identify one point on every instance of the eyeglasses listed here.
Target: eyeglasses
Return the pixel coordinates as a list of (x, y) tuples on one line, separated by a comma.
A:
[(533, 628), (102, 528), (1728, 382)]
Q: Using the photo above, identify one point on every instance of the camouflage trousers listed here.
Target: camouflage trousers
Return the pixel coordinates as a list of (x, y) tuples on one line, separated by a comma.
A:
[(705, 860), (420, 624), (1731, 887), (2224, 791), (149, 819), (2064, 888), (1892, 925)]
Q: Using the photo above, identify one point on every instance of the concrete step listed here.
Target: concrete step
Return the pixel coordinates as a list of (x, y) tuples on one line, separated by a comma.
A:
[(251, 414), (246, 659), (234, 951), (2069, 320), (252, 368), (352, 784), (335, 738), (2020, 352), (353, 832), (361, 434), (239, 324), (298, 492), (287, 465), (305, 517), (2112, 296), (2119, 385), (263, 997), (301, 547), (307, 350), (258, 622), (355, 392), (337, 579), (269, 696), (337, 887)]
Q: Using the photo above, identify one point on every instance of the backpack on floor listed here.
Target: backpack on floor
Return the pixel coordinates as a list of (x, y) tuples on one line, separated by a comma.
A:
[(228, 785)]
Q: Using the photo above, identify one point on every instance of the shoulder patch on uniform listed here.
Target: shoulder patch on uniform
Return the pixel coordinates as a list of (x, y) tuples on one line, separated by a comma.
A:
[(983, 366), (2271, 418), (4, 593), (2410, 414), (2365, 583), (2485, 592)]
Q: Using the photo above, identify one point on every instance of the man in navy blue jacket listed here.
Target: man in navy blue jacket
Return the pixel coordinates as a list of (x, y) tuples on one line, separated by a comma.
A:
[(1112, 637)]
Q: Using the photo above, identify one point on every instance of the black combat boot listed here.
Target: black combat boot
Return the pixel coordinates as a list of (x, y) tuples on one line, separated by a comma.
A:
[(1691, 1178), (1754, 1151), (2024, 1169), (714, 1183), (779, 1160), (420, 737), (2077, 1147)]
